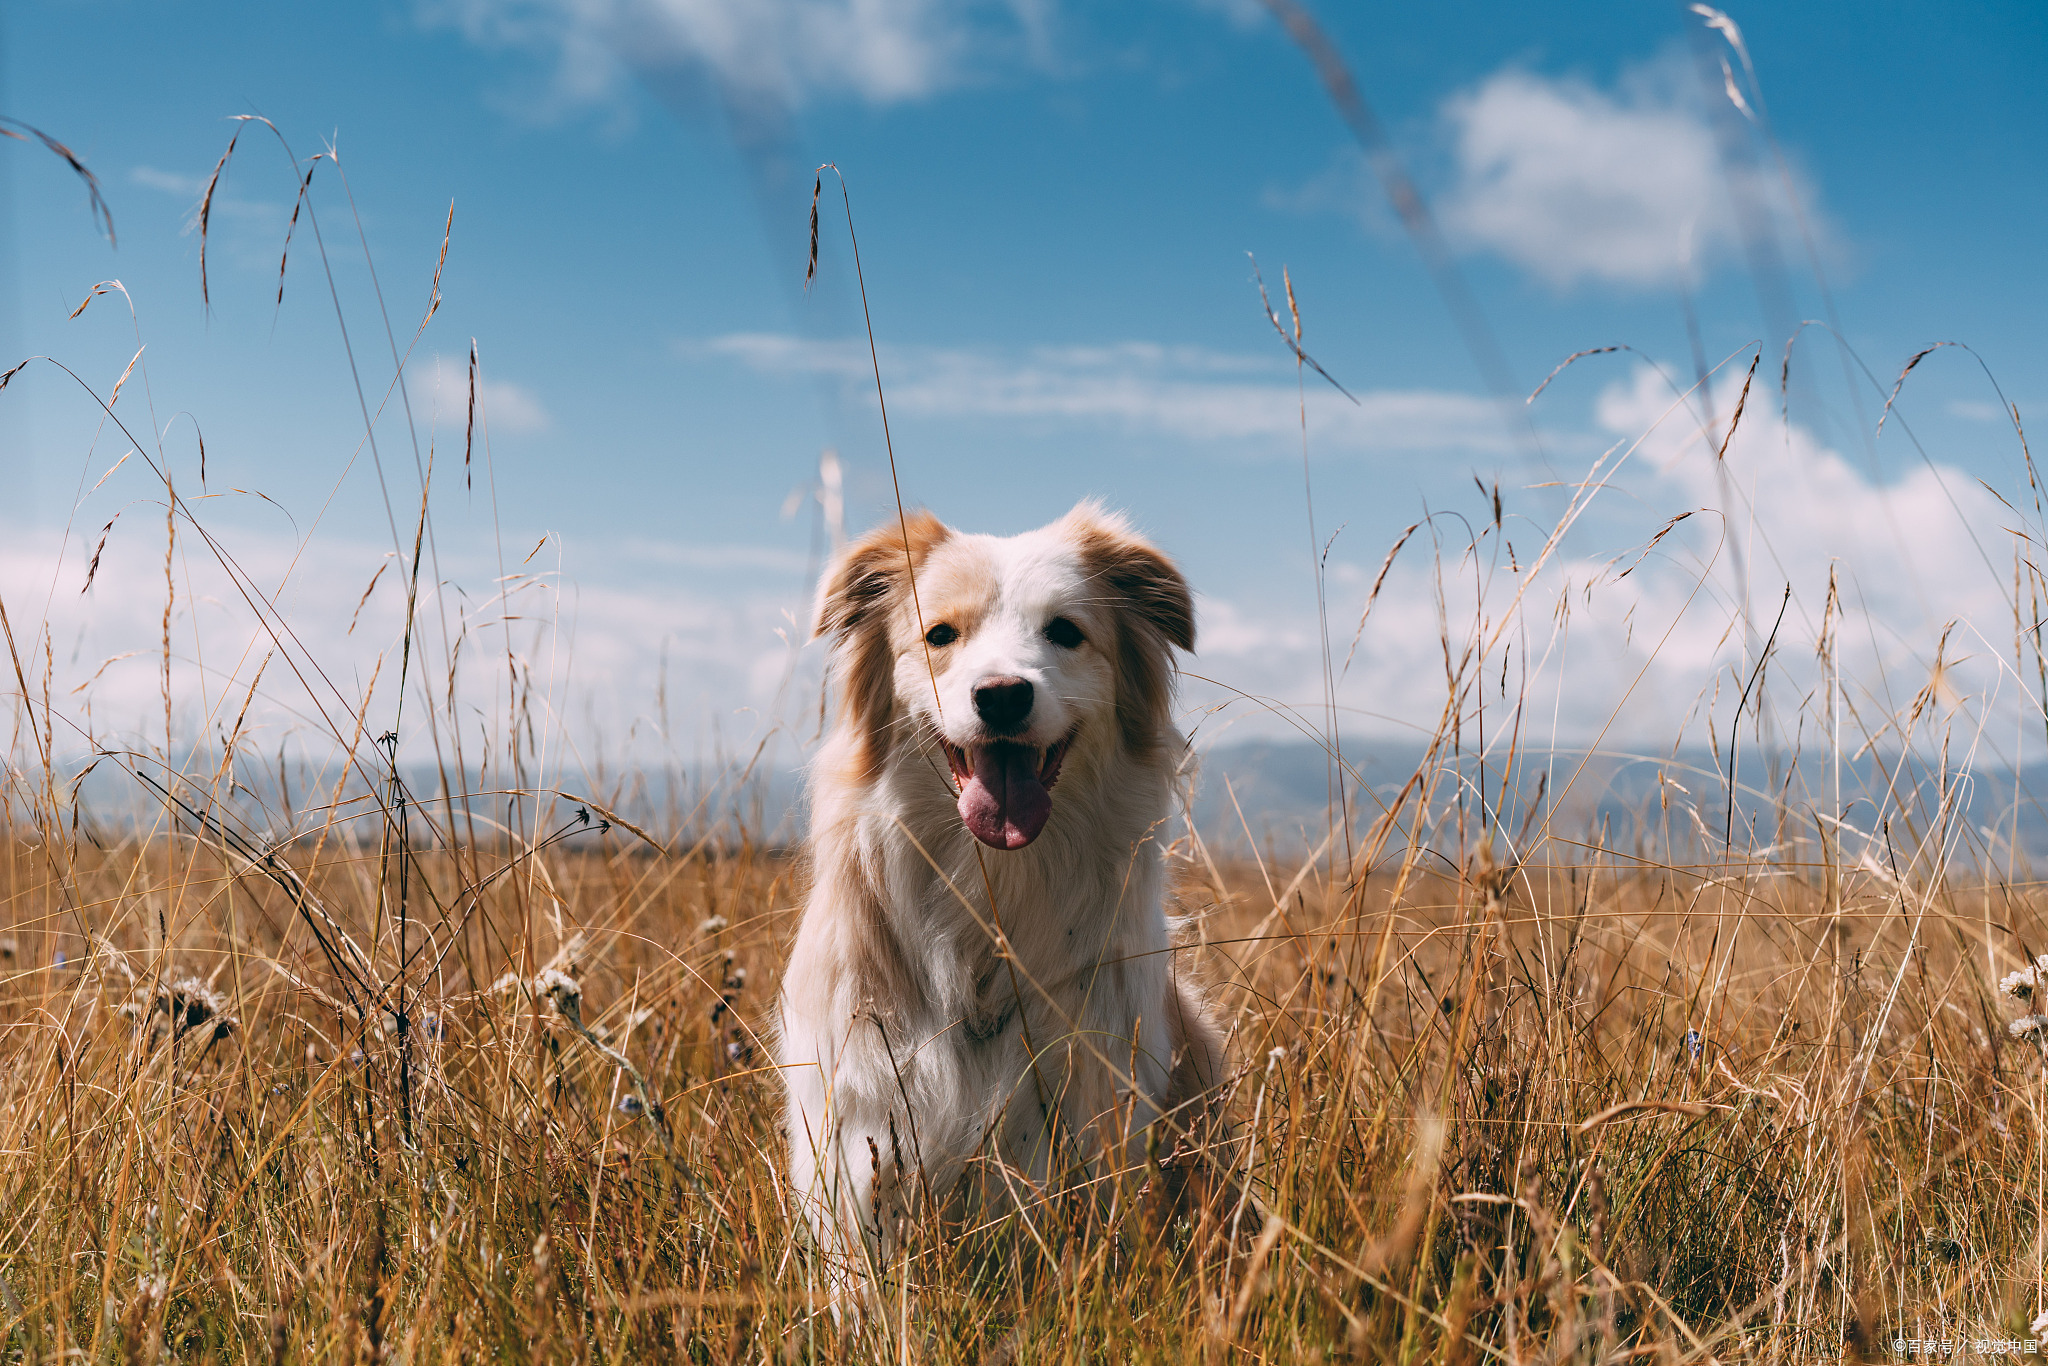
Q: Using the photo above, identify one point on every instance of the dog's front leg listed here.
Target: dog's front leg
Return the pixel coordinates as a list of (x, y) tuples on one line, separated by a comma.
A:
[(851, 1166)]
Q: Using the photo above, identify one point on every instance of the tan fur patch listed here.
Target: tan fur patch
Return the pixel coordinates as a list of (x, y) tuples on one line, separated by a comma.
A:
[(855, 604), (1154, 611), (957, 589)]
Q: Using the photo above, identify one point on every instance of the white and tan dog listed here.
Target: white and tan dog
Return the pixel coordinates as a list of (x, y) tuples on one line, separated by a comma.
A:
[(1001, 770)]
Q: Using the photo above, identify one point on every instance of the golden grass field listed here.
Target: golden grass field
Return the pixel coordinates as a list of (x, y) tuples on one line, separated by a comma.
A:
[(240, 1126)]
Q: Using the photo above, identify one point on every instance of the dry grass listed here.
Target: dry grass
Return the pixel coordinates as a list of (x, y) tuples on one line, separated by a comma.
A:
[(1472, 1108)]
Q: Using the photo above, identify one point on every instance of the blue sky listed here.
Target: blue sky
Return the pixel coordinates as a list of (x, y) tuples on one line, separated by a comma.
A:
[(1055, 203)]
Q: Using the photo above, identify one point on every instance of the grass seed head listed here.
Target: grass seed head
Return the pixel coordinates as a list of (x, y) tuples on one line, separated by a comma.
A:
[(563, 991), (182, 1006)]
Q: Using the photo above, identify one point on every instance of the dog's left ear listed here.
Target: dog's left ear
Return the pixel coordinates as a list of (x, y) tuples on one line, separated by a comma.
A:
[(1143, 578), (1155, 612)]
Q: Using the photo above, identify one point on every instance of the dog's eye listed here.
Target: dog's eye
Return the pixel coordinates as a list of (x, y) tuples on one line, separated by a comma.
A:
[(941, 634), (1063, 633)]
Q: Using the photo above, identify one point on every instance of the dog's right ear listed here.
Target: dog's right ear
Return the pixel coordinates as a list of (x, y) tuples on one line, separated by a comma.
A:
[(863, 578), (853, 605)]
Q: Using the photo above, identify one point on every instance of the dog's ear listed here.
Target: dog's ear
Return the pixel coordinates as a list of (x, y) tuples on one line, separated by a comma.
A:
[(853, 609), (1155, 589), (1155, 612), (1145, 581), (856, 589)]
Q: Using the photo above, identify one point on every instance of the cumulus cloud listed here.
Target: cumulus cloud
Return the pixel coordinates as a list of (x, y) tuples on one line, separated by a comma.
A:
[(1609, 639), (1181, 391), (1575, 183), (170, 182), (509, 409), (319, 643), (1913, 550), (785, 53), (255, 216)]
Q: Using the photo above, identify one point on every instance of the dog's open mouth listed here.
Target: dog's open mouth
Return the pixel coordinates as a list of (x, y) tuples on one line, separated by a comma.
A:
[(1004, 788)]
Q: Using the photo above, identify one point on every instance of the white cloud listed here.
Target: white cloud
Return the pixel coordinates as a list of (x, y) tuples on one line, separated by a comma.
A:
[(783, 52), (1910, 555), (191, 188), (170, 182), (508, 409), (682, 555), (1577, 184), (1644, 660), (1185, 392), (596, 642), (1346, 185)]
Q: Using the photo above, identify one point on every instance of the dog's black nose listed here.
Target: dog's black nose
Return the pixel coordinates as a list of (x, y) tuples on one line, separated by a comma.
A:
[(1003, 704)]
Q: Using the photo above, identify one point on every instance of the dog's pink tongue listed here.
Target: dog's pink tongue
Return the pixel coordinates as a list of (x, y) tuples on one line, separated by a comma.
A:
[(1002, 802)]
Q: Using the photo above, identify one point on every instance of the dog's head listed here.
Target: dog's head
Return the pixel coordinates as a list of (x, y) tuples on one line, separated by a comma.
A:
[(1004, 652)]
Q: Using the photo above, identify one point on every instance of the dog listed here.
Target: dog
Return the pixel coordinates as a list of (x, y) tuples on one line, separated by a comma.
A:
[(984, 965)]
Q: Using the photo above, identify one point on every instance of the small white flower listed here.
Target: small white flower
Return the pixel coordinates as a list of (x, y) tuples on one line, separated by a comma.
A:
[(186, 1004), (2040, 1329), (562, 989), (2027, 1024), (1274, 1057), (712, 924), (2020, 985)]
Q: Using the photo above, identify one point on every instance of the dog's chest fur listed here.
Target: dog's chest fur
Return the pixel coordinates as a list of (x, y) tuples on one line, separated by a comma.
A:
[(1081, 902)]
